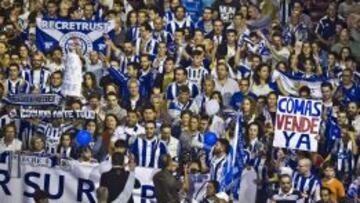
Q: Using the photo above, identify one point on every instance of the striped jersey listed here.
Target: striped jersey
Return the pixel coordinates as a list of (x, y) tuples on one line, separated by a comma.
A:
[(220, 170), (309, 185), (257, 48), (38, 78), (53, 134), (196, 75), (124, 60), (170, 16), (5, 120), (175, 108), (163, 36), (150, 47), (26, 132), (172, 91), (133, 33), (17, 87), (343, 156), (292, 197), (174, 25), (148, 152)]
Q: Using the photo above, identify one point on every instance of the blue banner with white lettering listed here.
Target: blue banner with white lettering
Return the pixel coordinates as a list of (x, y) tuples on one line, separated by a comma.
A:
[(88, 35)]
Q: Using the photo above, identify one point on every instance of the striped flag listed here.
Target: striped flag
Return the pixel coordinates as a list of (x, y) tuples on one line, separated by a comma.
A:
[(239, 155)]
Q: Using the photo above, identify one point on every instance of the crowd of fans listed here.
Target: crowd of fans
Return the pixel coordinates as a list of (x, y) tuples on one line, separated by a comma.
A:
[(177, 71)]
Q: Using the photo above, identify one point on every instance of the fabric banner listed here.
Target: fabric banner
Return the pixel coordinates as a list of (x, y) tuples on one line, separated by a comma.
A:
[(33, 99), (73, 76), (297, 123), (70, 182), (67, 114), (89, 35), (292, 84)]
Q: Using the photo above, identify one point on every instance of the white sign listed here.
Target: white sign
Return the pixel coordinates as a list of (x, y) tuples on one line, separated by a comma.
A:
[(297, 123), (73, 76), (75, 183)]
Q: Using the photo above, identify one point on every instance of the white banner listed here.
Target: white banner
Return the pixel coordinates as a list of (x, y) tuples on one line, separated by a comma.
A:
[(73, 76), (74, 182), (297, 123), (292, 85)]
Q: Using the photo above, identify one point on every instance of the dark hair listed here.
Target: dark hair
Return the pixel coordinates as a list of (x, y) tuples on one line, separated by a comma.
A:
[(84, 149), (184, 89), (120, 144), (225, 143), (285, 175), (40, 195), (147, 27), (111, 115), (180, 30), (57, 72), (128, 17), (186, 112), (11, 125), (221, 104), (93, 78), (305, 89), (94, 95), (165, 125), (117, 159), (260, 131), (256, 77), (182, 69), (96, 128), (215, 184), (150, 122), (16, 65), (328, 164), (327, 84), (169, 59), (134, 64), (165, 160), (148, 106), (231, 31), (111, 94)]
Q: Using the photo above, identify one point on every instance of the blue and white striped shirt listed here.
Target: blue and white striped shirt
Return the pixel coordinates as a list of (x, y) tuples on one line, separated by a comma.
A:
[(343, 156), (148, 152), (15, 87), (38, 78), (172, 26), (151, 47), (309, 185), (196, 75), (124, 60), (163, 36), (53, 134), (172, 91)]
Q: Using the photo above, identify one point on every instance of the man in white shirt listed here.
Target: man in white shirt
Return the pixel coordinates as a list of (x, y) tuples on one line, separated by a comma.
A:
[(131, 130), (224, 84), (9, 142), (171, 142)]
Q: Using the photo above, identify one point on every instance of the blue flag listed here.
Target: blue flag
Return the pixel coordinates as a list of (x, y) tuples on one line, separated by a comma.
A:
[(89, 35), (239, 156)]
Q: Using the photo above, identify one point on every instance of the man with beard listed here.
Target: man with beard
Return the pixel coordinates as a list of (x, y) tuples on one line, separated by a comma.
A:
[(220, 168), (128, 56), (286, 192)]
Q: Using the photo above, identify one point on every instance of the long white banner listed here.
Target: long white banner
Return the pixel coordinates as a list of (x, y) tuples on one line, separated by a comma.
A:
[(76, 182)]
